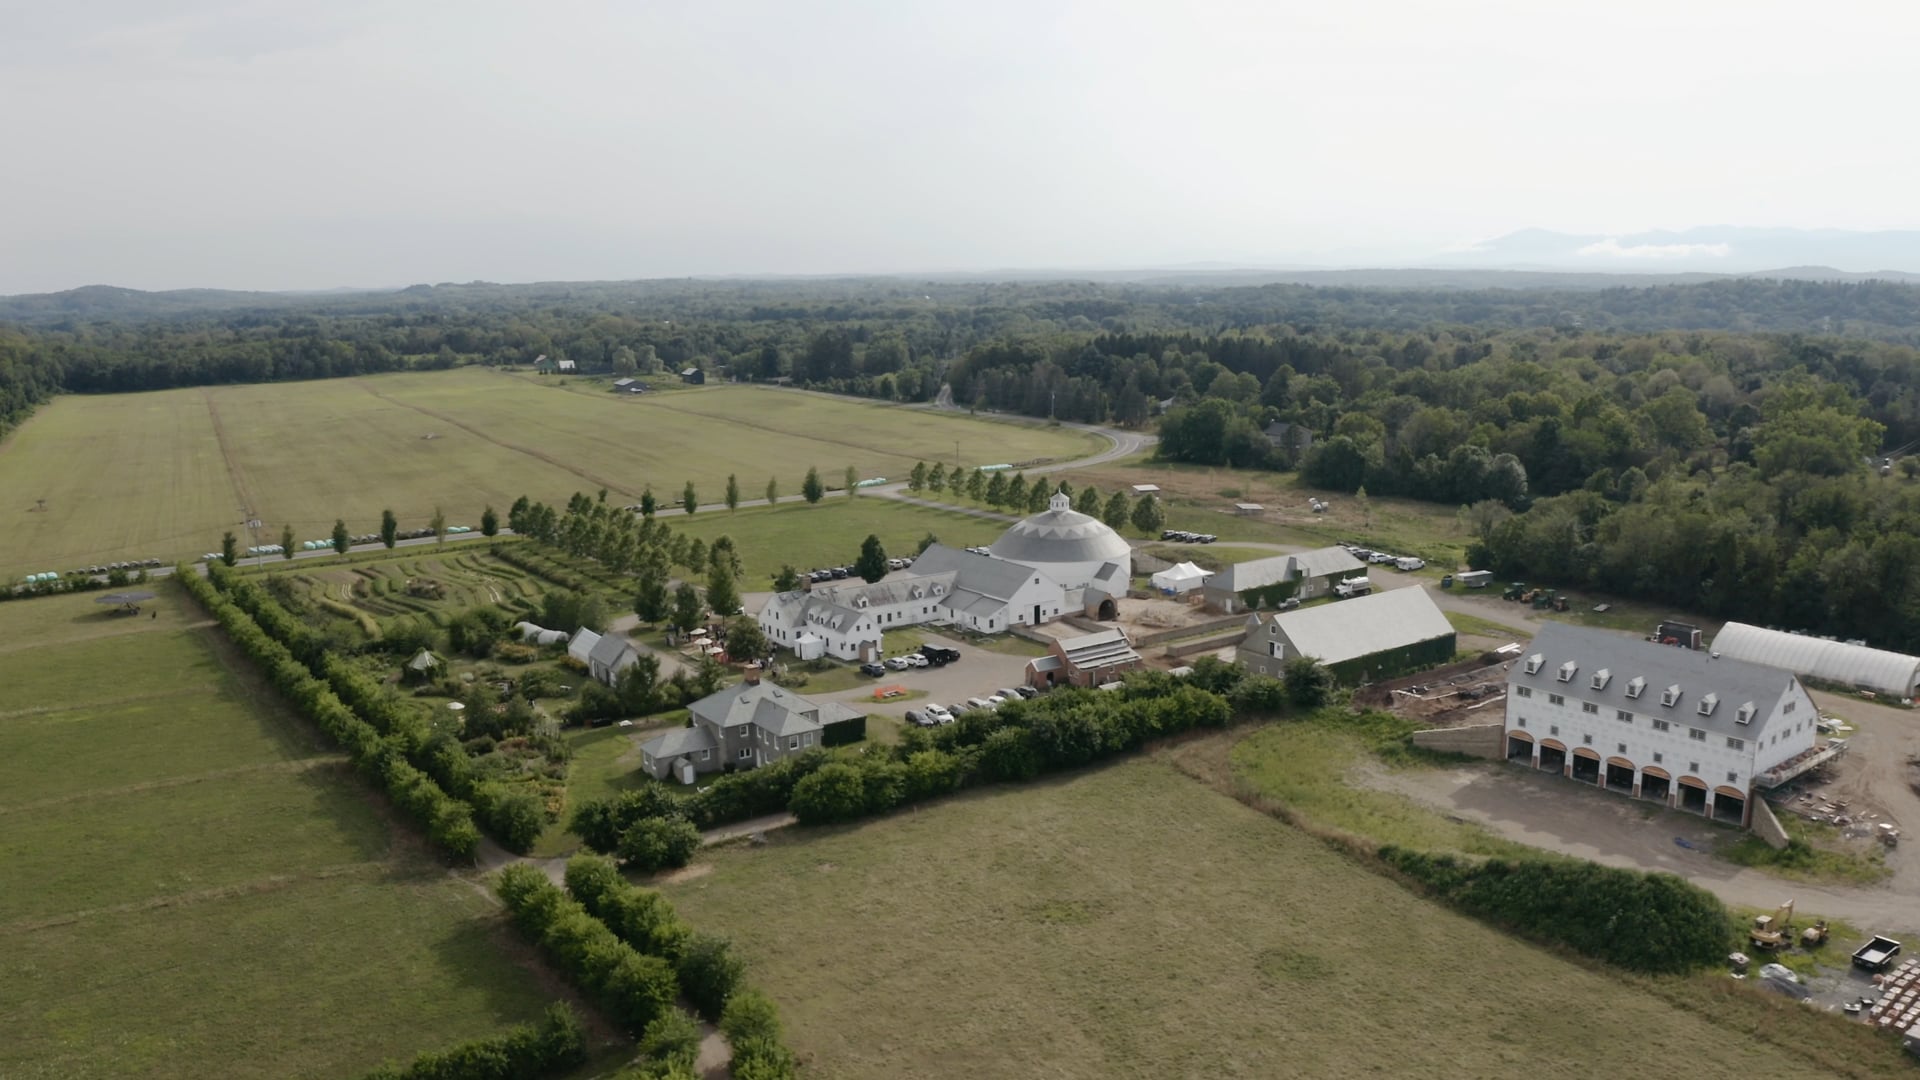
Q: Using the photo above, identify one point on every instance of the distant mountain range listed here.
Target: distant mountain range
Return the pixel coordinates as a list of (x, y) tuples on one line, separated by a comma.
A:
[(1725, 249)]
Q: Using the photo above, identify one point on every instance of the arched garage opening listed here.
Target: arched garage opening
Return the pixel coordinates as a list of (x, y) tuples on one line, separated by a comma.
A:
[(1655, 784), (1586, 765), (1520, 747), (1108, 611), (1693, 794), (1730, 805), (1620, 775), (1553, 757)]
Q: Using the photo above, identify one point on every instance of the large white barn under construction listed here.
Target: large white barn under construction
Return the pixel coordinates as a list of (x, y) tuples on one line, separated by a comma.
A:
[(1878, 670)]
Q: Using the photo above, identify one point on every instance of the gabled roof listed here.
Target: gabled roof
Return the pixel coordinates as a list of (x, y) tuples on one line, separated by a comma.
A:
[(582, 645), (1098, 650), (610, 650), (1255, 574), (1349, 629), (423, 661), (774, 709), (897, 590), (802, 608), (681, 740), (1321, 562), (987, 575), (968, 602), (1653, 668), (1111, 580)]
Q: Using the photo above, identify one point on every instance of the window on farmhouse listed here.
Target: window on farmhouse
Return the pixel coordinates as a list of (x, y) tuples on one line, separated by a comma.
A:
[(1696, 735), (1589, 707), (1623, 715), (1523, 691), (1661, 725), (1733, 777), (1736, 744), (1556, 699), (1588, 739)]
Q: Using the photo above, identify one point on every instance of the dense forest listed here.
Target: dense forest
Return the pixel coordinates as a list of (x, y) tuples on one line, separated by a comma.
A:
[(1718, 446)]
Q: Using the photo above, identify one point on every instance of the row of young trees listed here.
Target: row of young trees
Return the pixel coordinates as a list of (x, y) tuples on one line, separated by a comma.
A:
[(551, 1047), (343, 538), (1014, 494)]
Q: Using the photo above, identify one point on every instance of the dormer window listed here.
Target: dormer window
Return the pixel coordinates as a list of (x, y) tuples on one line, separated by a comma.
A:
[(1671, 695), (1746, 713), (1708, 704), (1636, 686), (861, 602), (1534, 662), (1567, 671), (1601, 678)]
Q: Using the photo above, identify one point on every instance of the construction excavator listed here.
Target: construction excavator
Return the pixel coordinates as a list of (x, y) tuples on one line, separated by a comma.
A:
[(1773, 931)]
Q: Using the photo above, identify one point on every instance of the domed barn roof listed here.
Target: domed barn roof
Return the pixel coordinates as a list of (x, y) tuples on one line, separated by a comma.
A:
[(1060, 535)]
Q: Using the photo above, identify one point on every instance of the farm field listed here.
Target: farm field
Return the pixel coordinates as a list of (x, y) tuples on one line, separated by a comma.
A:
[(196, 886), (163, 474), (1130, 922), (829, 533), (443, 582)]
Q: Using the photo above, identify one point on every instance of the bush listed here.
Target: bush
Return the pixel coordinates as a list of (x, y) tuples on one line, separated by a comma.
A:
[(600, 822), (672, 1041), (1654, 923), (750, 1015), (633, 990), (709, 973), (515, 818), (1259, 695), (1008, 754), (659, 843), (835, 793), (555, 1045), (762, 1059)]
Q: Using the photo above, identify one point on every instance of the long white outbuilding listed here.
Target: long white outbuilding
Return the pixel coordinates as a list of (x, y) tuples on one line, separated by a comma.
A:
[(1878, 670)]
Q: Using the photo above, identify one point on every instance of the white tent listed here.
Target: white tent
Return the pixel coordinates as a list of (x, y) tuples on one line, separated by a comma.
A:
[(809, 646), (1179, 578)]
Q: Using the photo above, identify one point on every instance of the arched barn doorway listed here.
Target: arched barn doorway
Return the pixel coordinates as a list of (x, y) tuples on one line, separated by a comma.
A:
[(1655, 784), (1730, 805), (1693, 794), (1553, 757), (1620, 775), (1520, 747), (1586, 765)]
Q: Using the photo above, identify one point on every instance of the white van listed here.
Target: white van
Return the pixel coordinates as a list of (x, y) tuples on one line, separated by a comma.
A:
[(1410, 563)]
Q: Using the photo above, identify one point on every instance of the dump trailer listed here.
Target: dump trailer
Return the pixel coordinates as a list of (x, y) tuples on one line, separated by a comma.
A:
[(1875, 955)]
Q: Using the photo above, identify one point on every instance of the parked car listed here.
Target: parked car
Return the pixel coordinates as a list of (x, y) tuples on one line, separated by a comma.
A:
[(1009, 693), (938, 655), (915, 660), (919, 718), (939, 714), (875, 670), (898, 663), (960, 710), (1380, 557), (1411, 562), (988, 704), (1206, 538), (1288, 604), (1168, 534), (1026, 691), (838, 573)]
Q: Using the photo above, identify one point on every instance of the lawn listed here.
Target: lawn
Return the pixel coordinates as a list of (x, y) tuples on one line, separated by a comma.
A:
[(829, 533), (194, 887), (1475, 626), (163, 474), (1129, 922)]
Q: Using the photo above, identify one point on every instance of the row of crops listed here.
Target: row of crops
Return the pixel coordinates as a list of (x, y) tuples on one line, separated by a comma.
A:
[(430, 588)]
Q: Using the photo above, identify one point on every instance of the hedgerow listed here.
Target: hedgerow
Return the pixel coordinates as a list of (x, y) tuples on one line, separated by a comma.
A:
[(526, 1052), (1655, 923), (703, 963), (633, 990), (447, 820)]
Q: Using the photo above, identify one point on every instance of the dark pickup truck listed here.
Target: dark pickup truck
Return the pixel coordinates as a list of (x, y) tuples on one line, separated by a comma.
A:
[(1875, 955), (938, 656)]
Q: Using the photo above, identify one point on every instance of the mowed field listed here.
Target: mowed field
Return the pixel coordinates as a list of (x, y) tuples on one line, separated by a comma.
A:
[(829, 533), (1131, 922), (162, 475), (194, 886)]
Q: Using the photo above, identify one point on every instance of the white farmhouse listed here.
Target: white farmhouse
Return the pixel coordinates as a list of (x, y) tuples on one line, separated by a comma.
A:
[(1676, 726), (946, 586)]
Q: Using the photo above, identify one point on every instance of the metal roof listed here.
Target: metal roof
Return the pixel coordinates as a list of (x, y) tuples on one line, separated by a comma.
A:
[(1254, 574), (582, 645), (1348, 629), (1620, 663), (1098, 650), (989, 575), (764, 705), (1878, 670), (1061, 535)]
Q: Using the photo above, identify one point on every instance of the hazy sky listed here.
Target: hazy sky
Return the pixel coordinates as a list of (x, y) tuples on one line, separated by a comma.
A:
[(269, 144)]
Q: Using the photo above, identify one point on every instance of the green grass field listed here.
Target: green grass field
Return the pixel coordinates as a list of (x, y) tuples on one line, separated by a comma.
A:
[(1129, 922), (193, 886), (829, 533), (164, 474)]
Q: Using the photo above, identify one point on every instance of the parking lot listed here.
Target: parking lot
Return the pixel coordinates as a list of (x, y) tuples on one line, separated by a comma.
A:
[(977, 673)]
